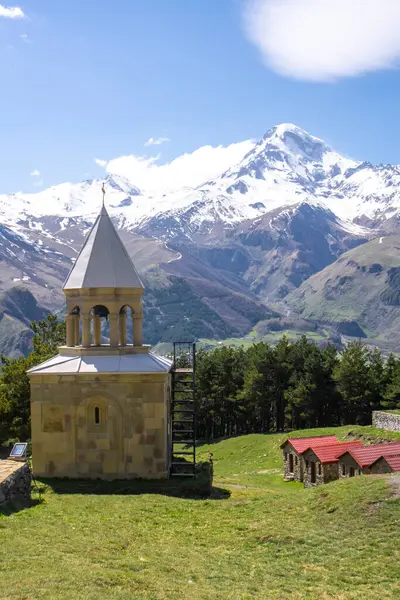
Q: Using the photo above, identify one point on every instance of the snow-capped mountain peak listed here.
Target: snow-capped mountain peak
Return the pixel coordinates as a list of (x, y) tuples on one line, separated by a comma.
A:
[(285, 167)]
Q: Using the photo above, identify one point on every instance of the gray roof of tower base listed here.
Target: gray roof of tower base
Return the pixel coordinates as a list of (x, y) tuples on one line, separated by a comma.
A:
[(103, 260), (128, 363)]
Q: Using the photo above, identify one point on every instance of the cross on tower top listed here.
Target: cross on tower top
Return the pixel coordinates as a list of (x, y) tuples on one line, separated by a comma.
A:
[(104, 192)]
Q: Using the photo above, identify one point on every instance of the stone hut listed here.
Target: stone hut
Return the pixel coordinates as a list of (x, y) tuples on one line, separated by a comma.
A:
[(386, 464), (321, 463), (356, 461), (100, 408), (292, 448)]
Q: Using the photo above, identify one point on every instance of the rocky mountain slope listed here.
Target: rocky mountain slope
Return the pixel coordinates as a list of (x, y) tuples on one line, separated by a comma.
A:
[(359, 294), (215, 256), (18, 308)]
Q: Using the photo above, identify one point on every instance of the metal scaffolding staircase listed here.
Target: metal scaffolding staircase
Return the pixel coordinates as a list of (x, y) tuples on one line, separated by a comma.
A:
[(183, 411)]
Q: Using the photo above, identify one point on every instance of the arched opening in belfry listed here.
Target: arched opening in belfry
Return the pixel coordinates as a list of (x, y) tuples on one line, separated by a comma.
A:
[(74, 327), (99, 325), (126, 326)]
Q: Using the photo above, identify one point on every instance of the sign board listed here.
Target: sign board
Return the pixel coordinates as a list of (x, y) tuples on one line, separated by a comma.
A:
[(19, 451)]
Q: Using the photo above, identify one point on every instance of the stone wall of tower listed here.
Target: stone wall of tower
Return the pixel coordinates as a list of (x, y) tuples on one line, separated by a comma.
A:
[(100, 426)]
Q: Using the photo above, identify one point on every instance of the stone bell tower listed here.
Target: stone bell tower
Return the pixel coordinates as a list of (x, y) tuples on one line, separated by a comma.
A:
[(100, 408)]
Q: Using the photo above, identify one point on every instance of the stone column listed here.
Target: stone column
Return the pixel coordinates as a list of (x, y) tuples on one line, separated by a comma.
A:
[(114, 330), (86, 331), (96, 330), (70, 330), (76, 328), (122, 328), (137, 330)]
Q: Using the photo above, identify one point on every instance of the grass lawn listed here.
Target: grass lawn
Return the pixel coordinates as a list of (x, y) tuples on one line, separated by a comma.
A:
[(272, 337), (266, 540)]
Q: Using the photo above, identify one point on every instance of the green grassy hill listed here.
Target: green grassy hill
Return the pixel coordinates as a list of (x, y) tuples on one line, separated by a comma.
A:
[(359, 293), (257, 538)]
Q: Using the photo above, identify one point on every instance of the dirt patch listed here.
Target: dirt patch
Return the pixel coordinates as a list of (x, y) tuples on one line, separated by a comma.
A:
[(367, 439), (394, 484), (269, 471), (373, 507)]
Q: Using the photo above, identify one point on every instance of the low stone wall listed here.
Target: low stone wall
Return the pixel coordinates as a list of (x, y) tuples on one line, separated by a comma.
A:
[(386, 420), (15, 482)]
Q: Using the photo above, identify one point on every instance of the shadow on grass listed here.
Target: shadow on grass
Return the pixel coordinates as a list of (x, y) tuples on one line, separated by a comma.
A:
[(185, 488), (197, 488), (16, 506)]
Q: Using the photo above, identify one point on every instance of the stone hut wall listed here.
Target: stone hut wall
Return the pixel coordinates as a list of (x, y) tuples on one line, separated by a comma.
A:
[(324, 472), (346, 463), (386, 420), (297, 473), (330, 472), (380, 466), (16, 485)]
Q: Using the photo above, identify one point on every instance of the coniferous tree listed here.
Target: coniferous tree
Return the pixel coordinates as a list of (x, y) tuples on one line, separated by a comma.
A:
[(14, 382), (352, 379)]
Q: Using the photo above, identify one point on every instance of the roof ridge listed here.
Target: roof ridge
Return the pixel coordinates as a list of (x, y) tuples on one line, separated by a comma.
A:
[(309, 437), (97, 222), (115, 232), (81, 250), (103, 260)]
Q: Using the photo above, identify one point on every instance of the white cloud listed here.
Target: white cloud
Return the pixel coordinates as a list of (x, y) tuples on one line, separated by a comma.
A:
[(25, 38), (186, 170), (11, 12), (321, 40), (35, 173), (156, 141), (100, 162)]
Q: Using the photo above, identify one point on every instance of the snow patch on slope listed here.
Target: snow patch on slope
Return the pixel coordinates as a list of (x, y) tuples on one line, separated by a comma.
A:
[(217, 185)]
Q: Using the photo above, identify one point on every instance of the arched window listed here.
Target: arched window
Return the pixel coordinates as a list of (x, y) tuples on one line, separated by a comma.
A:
[(97, 415), (99, 324)]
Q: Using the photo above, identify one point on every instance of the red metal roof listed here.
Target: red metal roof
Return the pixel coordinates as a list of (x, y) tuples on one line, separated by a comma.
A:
[(329, 454), (392, 460), (301, 444), (368, 454)]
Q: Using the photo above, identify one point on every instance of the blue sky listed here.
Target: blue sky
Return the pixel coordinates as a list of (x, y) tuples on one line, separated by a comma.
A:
[(82, 79)]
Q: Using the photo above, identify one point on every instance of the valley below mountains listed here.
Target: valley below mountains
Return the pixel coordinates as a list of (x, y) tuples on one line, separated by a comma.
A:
[(293, 237)]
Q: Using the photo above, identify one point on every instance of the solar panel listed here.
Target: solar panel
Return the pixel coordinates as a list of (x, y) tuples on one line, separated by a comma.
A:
[(19, 450)]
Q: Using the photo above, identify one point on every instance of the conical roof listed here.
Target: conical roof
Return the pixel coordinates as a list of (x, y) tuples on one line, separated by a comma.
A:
[(103, 260)]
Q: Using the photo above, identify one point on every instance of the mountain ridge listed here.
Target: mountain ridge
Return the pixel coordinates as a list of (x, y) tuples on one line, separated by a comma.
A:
[(281, 213)]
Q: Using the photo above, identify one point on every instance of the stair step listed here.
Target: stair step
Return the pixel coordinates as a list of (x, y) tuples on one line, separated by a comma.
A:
[(182, 421), (182, 431), (182, 474), (184, 453), (181, 401), (191, 442), (182, 410)]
